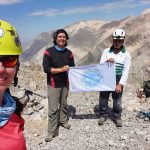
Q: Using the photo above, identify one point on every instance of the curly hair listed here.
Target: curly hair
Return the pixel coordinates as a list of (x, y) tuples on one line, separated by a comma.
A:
[(55, 34)]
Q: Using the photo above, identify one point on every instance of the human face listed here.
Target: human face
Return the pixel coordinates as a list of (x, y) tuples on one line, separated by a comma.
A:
[(118, 43), (61, 40), (6, 73)]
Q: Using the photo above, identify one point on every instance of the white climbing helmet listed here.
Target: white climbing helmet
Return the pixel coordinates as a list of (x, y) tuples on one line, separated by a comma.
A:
[(119, 34)]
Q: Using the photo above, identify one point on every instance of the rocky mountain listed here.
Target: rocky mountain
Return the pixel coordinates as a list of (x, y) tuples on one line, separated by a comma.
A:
[(85, 133), (87, 41), (89, 38), (82, 37), (42, 40)]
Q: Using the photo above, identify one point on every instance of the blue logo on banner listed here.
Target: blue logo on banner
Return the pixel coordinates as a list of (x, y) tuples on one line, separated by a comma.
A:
[(92, 78)]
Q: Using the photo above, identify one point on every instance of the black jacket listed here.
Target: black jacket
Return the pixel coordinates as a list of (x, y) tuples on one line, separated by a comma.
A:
[(57, 59)]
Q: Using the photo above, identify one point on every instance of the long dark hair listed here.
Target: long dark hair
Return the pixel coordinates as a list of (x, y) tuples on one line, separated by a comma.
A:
[(55, 34)]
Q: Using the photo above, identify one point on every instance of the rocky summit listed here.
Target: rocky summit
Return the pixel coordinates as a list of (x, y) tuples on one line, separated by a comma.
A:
[(85, 133), (87, 41)]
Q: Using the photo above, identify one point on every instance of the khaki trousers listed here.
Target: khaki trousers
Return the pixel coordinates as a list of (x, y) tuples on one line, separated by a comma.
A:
[(57, 108)]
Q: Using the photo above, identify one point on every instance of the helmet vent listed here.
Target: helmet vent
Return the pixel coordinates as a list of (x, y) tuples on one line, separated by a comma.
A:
[(1, 32), (12, 32), (17, 41)]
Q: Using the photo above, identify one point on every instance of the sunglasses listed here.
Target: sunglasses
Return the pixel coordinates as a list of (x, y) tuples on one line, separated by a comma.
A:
[(9, 61)]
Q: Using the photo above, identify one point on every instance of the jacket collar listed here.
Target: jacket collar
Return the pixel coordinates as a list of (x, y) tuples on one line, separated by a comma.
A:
[(123, 50)]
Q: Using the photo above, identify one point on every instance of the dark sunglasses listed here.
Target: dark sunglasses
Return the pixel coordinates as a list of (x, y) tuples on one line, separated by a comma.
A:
[(9, 61)]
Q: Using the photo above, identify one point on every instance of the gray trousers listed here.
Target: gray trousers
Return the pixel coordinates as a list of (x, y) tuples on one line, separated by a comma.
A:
[(57, 108), (103, 103)]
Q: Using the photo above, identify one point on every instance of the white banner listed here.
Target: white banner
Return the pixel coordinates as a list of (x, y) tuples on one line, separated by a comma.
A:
[(97, 77)]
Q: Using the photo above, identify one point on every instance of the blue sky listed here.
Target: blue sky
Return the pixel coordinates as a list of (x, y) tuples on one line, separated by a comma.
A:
[(31, 17)]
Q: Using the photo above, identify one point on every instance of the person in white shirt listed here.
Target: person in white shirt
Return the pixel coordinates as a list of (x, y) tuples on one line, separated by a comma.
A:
[(115, 54)]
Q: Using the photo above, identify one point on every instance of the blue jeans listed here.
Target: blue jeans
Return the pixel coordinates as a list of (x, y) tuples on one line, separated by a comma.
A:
[(103, 103)]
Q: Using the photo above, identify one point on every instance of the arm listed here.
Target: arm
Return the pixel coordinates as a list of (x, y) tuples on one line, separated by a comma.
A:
[(72, 63), (46, 62), (124, 76), (59, 70), (103, 57), (47, 65)]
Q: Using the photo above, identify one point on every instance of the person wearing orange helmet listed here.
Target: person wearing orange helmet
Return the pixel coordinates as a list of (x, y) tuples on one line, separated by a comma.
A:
[(11, 122), (115, 54)]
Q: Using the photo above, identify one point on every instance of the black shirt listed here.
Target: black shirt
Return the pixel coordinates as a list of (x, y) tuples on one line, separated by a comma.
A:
[(57, 59)]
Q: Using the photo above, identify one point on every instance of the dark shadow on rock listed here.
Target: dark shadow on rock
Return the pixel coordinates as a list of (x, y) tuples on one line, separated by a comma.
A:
[(96, 110), (73, 115), (71, 111), (84, 116)]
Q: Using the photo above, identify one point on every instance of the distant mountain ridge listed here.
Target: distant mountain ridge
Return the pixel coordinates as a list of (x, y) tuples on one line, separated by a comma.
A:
[(89, 38)]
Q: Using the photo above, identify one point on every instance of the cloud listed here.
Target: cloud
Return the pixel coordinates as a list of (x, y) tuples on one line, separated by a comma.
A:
[(8, 2), (49, 12), (88, 9), (145, 2)]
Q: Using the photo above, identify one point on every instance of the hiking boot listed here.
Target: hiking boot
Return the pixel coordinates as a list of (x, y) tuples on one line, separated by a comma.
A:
[(50, 136), (118, 122), (66, 125), (101, 120)]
